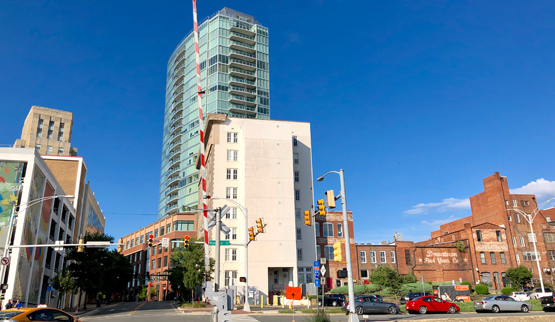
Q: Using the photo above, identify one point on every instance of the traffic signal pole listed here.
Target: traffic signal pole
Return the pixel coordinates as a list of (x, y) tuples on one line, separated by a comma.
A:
[(218, 246)]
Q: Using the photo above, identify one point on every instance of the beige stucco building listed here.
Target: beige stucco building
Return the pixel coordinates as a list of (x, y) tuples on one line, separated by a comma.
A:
[(264, 166), (47, 130)]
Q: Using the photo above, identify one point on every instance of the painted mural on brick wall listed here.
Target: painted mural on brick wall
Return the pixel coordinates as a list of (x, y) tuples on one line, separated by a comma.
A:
[(29, 234), (10, 176)]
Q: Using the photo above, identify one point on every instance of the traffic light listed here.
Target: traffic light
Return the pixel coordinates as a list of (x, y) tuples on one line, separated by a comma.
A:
[(80, 248), (330, 199), (120, 245), (186, 240), (337, 252), (307, 218), (321, 208), (150, 240), (251, 233), (260, 225)]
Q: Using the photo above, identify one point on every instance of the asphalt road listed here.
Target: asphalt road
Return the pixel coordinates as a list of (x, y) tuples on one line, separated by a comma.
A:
[(164, 311)]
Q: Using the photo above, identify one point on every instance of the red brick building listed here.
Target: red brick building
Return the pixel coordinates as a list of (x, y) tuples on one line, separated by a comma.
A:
[(156, 260)]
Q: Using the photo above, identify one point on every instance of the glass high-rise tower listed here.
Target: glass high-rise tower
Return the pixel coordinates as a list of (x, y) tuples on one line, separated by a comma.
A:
[(235, 75)]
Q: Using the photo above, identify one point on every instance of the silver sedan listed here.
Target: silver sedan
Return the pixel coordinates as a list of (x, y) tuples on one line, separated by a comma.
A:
[(500, 303)]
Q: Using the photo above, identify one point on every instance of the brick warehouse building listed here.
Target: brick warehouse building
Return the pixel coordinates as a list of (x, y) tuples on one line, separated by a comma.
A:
[(494, 237), (155, 260)]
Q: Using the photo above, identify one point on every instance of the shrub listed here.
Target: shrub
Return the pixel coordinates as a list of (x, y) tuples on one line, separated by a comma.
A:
[(359, 289), (507, 290), (444, 283), (340, 290), (482, 289), (409, 278), (415, 287), (319, 316), (371, 288)]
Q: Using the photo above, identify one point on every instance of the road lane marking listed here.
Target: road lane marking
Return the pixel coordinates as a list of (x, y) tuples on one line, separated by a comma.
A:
[(137, 308)]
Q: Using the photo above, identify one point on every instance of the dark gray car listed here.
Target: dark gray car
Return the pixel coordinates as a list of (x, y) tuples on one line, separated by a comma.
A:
[(368, 304)]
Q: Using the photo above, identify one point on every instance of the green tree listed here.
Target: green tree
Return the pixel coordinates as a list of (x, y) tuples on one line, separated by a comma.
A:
[(153, 293), (386, 276), (188, 268), (64, 283), (409, 278), (142, 295), (519, 276)]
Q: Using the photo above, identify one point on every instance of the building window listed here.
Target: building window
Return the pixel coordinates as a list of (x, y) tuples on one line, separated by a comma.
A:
[(60, 151), (153, 264), (162, 231), (503, 260), (295, 158), (549, 237), (230, 254), (392, 253), (483, 257), (299, 234), (551, 255), (61, 132), (339, 230), (514, 203), (232, 155), (298, 213), (231, 193), (183, 225), (498, 234), (39, 128), (230, 278), (364, 273), (165, 261), (296, 176), (231, 174), (328, 229), (168, 228), (318, 252), (232, 235), (517, 259), (373, 257), (317, 226), (532, 238), (232, 213), (159, 262), (156, 233), (295, 142), (517, 218), (509, 216), (408, 259), (529, 256), (363, 257), (506, 202), (231, 137), (297, 195), (299, 254), (328, 252), (525, 203), (37, 147), (548, 218), (48, 150), (514, 241), (492, 257), (142, 239), (522, 241), (131, 242), (50, 130), (478, 235), (382, 257)]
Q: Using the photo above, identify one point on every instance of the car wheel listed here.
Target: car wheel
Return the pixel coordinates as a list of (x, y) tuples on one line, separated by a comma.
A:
[(359, 310), (392, 310), (334, 303), (524, 309), (495, 309), (451, 310), (422, 310)]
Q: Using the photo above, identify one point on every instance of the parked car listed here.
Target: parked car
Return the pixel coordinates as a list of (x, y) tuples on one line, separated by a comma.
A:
[(410, 296), (36, 314), (548, 303), (537, 293), (332, 299), (500, 303), (425, 304), (520, 296), (365, 304)]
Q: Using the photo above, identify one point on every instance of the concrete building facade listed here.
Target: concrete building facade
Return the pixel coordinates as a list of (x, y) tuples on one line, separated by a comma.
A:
[(234, 65), (266, 167), (47, 130)]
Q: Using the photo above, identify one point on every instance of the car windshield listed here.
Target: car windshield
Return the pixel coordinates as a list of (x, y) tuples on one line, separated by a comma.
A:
[(9, 315), (489, 298)]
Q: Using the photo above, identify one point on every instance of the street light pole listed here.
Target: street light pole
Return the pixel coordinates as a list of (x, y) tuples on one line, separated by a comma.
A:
[(244, 210), (353, 317), (530, 219)]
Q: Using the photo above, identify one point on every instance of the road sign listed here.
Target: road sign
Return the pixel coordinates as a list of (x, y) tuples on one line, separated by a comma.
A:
[(323, 270), (5, 261), (49, 288), (165, 242), (316, 263), (164, 288), (316, 273), (317, 282), (222, 243)]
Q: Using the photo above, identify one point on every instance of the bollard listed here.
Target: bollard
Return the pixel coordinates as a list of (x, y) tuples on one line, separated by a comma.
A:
[(282, 303), (261, 301)]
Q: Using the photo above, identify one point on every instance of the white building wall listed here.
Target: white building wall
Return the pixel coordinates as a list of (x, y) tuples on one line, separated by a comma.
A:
[(266, 188)]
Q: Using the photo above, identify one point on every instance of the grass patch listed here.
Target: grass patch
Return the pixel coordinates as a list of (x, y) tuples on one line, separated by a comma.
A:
[(193, 305), (332, 310), (536, 305)]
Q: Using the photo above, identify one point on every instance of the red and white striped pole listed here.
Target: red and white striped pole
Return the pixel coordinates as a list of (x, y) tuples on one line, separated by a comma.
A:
[(201, 131)]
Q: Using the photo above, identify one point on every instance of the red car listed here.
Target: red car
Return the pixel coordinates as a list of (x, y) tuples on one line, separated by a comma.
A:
[(425, 304)]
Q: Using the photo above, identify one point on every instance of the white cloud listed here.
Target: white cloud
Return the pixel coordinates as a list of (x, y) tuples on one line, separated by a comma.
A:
[(543, 189), (439, 222), (450, 204)]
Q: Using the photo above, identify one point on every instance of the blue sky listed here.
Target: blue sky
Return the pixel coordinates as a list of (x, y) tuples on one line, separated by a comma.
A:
[(417, 101)]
